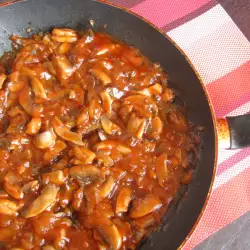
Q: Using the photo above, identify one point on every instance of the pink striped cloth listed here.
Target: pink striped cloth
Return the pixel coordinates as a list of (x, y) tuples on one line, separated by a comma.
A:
[(221, 54)]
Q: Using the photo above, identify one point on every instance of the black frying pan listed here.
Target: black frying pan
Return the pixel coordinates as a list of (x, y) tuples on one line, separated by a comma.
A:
[(43, 15)]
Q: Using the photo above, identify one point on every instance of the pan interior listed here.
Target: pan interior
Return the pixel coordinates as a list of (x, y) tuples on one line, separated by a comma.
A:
[(43, 15)]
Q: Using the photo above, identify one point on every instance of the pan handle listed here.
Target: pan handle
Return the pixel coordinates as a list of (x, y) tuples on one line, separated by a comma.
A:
[(234, 132)]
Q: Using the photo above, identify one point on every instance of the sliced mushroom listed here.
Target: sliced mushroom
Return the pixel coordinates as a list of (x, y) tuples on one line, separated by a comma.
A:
[(123, 199), (106, 102), (106, 160), (25, 71), (63, 67), (133, 56), (85, 174), (6, 235), (62, 131), (45, 139), (109, 127), (54, 151), (48, 65), (83, 118), (38, 88), (125, 112), (107, 187), (94, 110), (84, 155), (110, 233), (56, 177), (64, 48), (115, 92), (48, 247), (157, 127), (141, 129), (2, 79), (63, 32), (168, 95), (8, 207), (144, 206), (136, 126), (146, 221), (12, 184), (155, 89), (110, 144), (16, 82), (104, 49), (161, 169), (144, 105), (64, 35), (34, 126), (30, 186), (101, 75), (77, 199), (26, 101), (108, 230), (42, 202), (17, 248)]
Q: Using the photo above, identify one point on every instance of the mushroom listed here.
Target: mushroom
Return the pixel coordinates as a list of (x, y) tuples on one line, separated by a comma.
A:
[(123, 199), (110, 144), (144, 206), (54, 151), (56, 177), (63, 67), (26, 101), (12, 184), (106, 102), (16, 82), (84, 155), (85, 174), (38, 88), (2, 79), (108, 230), (101, 75), (107, 187), (157, 127), (144, 105), (161, 169), (34, 126), (155, 89), (136, 126), (94, 109), (64, 35), (8, 207), (30, 186), (42, 202), (109, 127), (62, 131), (83, 118), (45, 139)]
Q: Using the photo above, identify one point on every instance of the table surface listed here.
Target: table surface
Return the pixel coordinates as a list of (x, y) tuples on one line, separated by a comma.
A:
[(236, 235)]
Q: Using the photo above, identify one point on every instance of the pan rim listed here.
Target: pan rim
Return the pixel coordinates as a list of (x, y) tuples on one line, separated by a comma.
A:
[(215, 164)]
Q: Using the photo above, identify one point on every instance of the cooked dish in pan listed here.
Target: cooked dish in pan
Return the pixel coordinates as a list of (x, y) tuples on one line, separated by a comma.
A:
[(93, 147)]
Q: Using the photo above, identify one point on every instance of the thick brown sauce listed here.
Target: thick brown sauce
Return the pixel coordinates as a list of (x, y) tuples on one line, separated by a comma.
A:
[(92, 148)]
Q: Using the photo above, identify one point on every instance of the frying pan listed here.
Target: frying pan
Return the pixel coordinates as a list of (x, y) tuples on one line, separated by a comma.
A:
[(43, 15)]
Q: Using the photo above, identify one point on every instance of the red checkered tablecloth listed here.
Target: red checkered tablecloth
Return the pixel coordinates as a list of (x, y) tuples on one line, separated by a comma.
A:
[(221, 54)]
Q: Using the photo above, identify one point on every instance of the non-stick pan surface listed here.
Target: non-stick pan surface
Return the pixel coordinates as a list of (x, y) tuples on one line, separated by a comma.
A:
[(43, 15)]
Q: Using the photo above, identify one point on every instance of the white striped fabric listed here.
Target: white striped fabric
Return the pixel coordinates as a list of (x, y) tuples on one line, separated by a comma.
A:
[(216, 54)]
